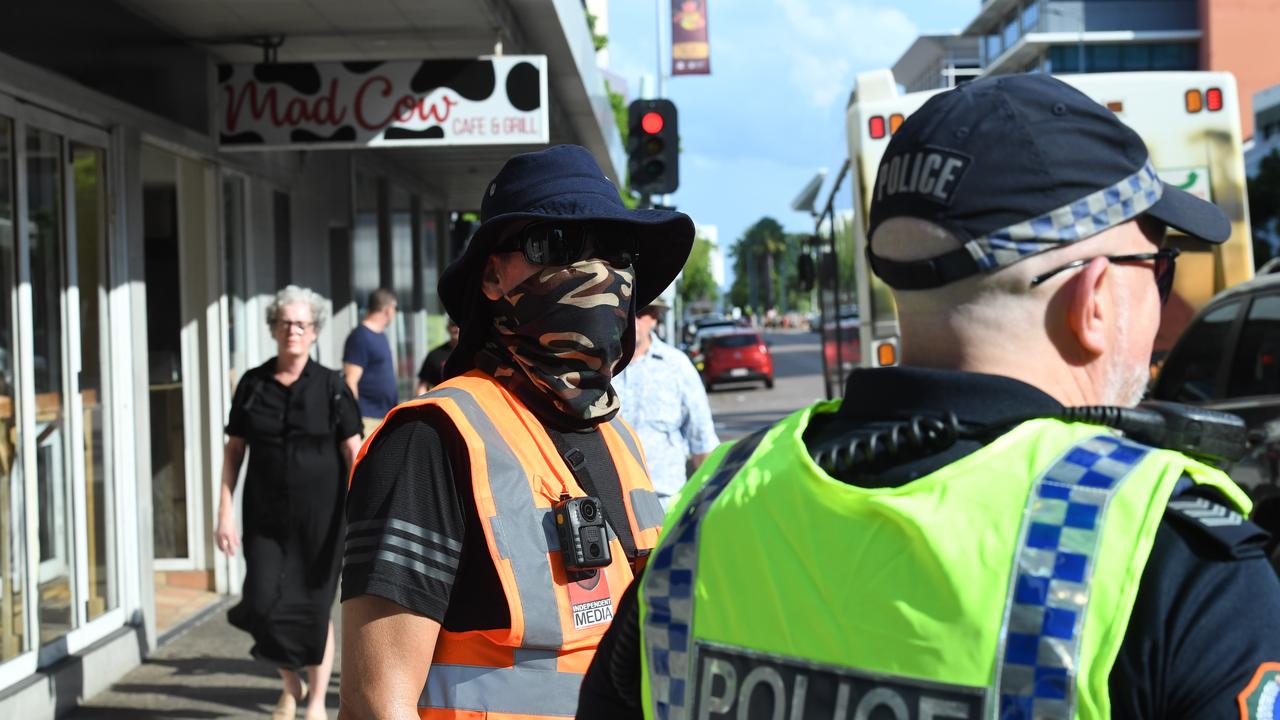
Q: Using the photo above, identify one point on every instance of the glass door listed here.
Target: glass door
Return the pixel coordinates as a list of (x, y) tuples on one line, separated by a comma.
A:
[(46, 239), (90, 264), (14, 638)]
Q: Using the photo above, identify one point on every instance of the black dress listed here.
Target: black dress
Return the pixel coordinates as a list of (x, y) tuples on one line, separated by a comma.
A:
[(293, 507)]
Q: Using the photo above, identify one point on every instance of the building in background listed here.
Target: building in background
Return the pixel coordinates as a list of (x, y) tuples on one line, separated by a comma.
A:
[(1072, 36), (939, 61), (138, 255)]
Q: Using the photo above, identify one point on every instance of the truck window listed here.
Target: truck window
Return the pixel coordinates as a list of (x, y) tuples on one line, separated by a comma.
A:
[(1192, 370), (1256, 368)]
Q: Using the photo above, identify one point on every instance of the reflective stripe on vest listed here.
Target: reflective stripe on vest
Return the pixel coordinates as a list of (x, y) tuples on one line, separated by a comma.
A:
[(1049, 589), (668, 591), (518, 540), (1045, 607), (531, 687)]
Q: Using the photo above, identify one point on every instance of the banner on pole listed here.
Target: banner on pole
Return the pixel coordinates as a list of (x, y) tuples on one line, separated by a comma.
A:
[(690, 51), (475, 101)]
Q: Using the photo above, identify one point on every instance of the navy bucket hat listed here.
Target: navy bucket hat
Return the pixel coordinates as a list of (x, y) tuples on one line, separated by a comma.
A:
[(562, 183)]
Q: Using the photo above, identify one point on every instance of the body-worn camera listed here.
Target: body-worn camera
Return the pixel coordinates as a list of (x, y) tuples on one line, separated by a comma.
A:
[(584, 542)]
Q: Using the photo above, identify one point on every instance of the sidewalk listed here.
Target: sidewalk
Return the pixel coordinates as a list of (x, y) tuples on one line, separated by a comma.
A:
[(204, 671)]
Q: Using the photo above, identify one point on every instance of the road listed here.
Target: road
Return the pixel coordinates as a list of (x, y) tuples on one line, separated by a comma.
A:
[(741, 408)]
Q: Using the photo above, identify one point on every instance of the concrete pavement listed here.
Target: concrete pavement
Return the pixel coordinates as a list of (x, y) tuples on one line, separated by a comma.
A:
[(203, 672)]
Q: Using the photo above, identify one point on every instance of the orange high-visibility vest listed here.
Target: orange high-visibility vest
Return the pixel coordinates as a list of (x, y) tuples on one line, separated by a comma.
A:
[(532, 669)]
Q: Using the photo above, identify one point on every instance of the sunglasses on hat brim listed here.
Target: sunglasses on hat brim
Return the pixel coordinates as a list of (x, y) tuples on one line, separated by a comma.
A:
[(560, 244)]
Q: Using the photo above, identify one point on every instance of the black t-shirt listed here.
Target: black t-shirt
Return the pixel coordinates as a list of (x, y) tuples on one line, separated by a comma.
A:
[(414, 535), (1207, 613), (432, 370)]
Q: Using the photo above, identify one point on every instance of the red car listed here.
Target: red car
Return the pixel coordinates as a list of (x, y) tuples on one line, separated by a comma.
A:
[(736, 356)]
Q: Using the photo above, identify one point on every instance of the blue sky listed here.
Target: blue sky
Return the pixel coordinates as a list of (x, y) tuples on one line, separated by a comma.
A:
[(772, 111)]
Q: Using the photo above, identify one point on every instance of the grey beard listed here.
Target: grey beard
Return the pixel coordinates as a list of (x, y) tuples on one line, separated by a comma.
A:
[(1125, 385)]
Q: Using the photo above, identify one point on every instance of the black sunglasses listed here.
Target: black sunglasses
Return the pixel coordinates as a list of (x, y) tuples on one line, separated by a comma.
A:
[(559, 245), (1164, 263)]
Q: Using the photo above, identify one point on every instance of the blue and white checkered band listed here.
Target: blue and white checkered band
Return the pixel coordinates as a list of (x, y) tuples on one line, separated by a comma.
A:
[(1083, 218), (1049, 590), (668, 592)]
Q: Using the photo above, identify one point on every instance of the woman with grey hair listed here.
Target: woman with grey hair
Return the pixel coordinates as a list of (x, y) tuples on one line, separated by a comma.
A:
[(301, 426)]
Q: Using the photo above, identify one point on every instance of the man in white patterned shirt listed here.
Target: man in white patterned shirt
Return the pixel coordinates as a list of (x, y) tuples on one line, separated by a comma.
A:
[(662, 398)]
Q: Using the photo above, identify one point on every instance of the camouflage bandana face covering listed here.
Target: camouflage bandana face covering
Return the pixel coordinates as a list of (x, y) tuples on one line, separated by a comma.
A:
[(562, 331)]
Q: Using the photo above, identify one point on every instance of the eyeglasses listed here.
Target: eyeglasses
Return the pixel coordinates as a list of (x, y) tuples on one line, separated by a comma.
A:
[(553, 244), (290, 325), (1164, 263)]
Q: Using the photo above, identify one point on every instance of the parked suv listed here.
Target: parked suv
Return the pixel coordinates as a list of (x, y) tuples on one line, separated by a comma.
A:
[(735, 356), (1228, 359)]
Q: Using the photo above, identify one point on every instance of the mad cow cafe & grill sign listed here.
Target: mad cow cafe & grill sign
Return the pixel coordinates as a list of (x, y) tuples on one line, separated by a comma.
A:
[(484, 101)]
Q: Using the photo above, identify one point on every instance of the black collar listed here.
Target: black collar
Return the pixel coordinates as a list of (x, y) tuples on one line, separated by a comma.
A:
[(976, 399)]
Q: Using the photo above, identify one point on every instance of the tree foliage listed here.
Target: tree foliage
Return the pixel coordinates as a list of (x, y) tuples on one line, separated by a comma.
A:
[(1264, 207), (764, 263)]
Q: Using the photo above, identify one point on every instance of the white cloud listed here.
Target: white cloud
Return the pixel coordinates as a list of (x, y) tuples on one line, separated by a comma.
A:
[(828, 43)]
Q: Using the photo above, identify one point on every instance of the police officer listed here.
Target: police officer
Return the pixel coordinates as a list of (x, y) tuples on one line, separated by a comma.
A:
[(460, 595), (951, 541)]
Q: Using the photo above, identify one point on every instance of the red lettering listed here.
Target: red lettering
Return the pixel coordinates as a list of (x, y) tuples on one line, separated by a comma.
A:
[(257, 107), (323, 111), (359, 109), (326, 110)]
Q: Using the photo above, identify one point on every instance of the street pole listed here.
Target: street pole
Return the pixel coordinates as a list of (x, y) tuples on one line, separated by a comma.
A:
[(657, 41)]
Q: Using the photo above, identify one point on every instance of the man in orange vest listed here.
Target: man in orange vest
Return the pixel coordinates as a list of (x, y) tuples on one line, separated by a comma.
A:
[(494, 522)]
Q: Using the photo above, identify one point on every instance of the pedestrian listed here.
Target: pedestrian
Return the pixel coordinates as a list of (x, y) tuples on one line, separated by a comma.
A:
[(664, 401), (301, 428), (366, 360), (495, 521), (431, 373), (969, 535)]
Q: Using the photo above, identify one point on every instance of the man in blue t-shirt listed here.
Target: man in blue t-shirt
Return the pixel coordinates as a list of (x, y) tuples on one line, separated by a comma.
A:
[(366, 360)]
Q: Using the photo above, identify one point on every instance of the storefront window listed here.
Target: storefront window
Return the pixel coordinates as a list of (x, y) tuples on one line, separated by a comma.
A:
[(91, 261), (13, 554), (162, 275), (45, 230)]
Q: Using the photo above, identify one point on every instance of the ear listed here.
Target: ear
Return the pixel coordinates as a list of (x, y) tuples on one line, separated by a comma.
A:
[(1089, 307), (490, 284)]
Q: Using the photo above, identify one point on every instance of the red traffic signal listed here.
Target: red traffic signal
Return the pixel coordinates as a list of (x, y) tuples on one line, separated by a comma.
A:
[(653, 147)]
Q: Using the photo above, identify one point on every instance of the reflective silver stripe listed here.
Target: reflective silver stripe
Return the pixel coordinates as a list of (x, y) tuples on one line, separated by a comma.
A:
[(647, 508), (397, 541), (519, 540), (1048, 599), (519, 690), (533, 658), (404, 527), (668, 592), (632, 444), (414, 565)]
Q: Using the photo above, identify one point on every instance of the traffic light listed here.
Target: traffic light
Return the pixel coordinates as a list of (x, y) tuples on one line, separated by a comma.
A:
[(653, 147)]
